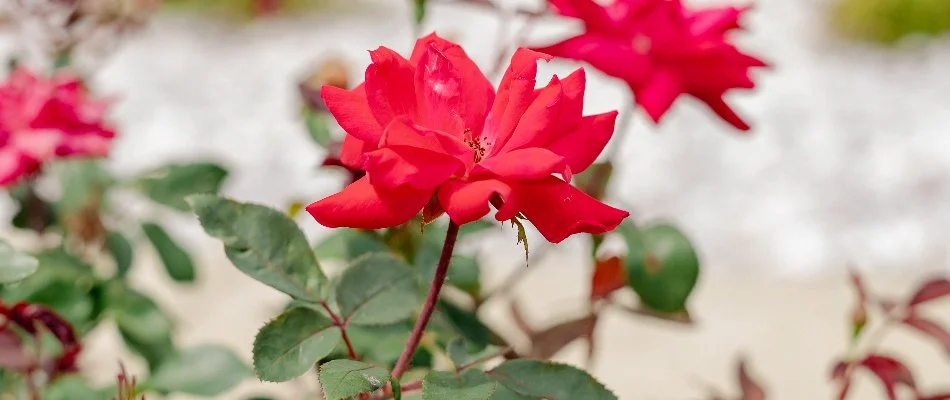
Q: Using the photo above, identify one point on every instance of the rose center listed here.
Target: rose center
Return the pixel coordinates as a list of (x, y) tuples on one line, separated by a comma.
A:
[(474, 143)]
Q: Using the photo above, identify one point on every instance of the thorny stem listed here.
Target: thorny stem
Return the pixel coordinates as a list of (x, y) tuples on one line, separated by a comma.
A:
[(431, 299)]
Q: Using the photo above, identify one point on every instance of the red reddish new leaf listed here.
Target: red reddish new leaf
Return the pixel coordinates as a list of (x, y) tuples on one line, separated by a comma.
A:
[(931, 290), (929, 328), (12, 353), (890, 372), (609, 276), (858, 284)]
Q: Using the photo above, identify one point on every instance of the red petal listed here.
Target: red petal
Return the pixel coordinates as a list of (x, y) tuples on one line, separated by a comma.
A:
[(402, 132), (515, 94), (890, 371), (559, 210), (931, 329), (594, 15), (524, 164), (613, 58), (556, 109), (351, 151), (392, 167), (932, 290), (714, 21), (438, 89), (582, 146), (657, 95), (363, 206), (476, 89), (352, 112), (467, 201), (390, 89)]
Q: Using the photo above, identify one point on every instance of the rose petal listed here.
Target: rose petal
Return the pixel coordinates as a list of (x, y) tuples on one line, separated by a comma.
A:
[(614, 58), (352, 112), (438, 93), (401, 132), (390, 88), (581, 147), (467, 201), (392, 167), (351, 151), (476, 89), (559, 210), (658, 95), (719, 106), (515, 94), (531, 163), (364, 206), (556, 109)]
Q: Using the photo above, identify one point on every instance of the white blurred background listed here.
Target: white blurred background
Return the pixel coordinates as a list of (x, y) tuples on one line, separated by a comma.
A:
[(848, 164)]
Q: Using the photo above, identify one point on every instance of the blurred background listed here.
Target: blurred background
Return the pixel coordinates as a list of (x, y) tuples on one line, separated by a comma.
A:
[(847, 166)]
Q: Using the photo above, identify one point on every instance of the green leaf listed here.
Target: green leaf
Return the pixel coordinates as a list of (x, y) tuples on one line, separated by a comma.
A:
[(381, 344), (503, 393), (420, 10), (121, 251), (470, 385), (318, 128), (15, 265), (348, 244), (377, 289), (206, 370), (549, 380), (65, 298), (171, 184), (457, 351), (177, 261), (71, 387), (450, 320), (292, 343), (82, 180), (143, 326), (264, 244), (344, 378), (662, 266), (464, 271)]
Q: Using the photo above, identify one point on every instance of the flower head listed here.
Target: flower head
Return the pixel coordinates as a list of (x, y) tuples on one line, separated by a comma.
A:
[(432, 128), (42, 119), (662, 50)]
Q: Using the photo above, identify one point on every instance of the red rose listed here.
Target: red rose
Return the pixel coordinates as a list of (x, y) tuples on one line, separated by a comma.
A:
[(662, 50), (433, 126), (42, 119)]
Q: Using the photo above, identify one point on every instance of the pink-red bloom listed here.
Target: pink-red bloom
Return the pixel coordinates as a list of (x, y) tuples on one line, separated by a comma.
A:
[(433, 128), (662, 50), (46, 118)]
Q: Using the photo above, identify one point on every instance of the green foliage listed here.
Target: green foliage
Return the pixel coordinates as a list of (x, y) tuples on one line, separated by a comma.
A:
[(344, 378), (469, 385), (176, 260), (348, 244), (71, 387), (205, 370), (171, 184), (549, 380), (419, 10), (15, 265), (264, 244), (318, 127), (143, 326), (121, 251), (83, 181), (292, 343), (888, 21), (377, 289), (662, 266)]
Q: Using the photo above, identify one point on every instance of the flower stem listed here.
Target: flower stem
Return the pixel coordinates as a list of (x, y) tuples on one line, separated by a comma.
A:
[(431, 299), (340, 323)]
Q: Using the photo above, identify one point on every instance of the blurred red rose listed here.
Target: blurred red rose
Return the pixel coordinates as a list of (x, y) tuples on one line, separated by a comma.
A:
[(662, 50), (433, 125), (46, 118)]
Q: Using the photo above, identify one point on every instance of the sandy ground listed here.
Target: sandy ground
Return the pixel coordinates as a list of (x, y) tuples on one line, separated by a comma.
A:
[(848, 165)]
